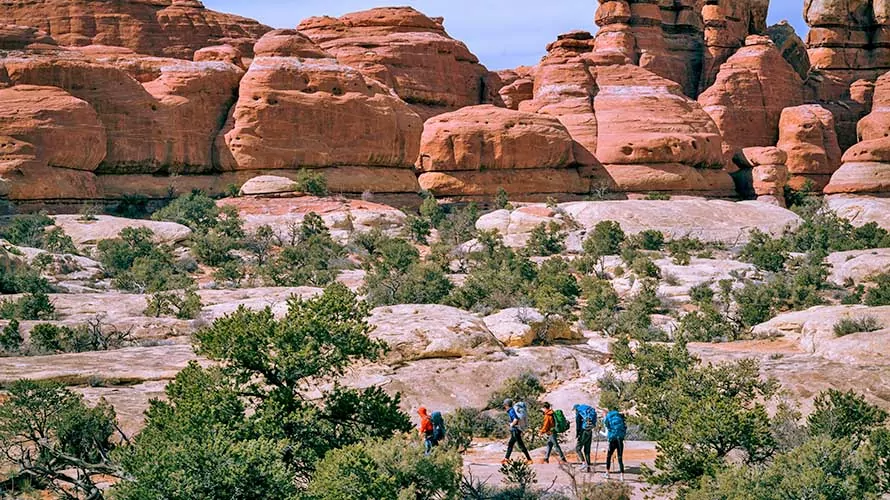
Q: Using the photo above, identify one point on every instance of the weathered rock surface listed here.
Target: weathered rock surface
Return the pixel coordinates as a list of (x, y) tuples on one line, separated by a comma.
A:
[(268, 185), (13, 37), (512, 327), (808, 135), (793, 49), (861, 210), (750, 92), (298, 108), (170, 28), (518, 86), (408, 52), (431, 331), (709, 220), (106, 227), (857, 266)]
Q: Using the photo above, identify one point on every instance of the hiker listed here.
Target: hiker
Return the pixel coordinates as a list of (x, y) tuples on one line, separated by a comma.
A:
[(550, 429), (617, 431), (427, 430), (585, 425), (518, 415)]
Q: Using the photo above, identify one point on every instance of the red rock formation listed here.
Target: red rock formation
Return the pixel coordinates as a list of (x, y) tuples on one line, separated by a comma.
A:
[(14, 37), (807, 134), (50, 142), (866, 166), (166, 124), (752, 89), (298, 107), (516, 86), (220, 53), (769, 174), (470, 152), (727, 24), (793, 49), (171, 28), (408, 52)]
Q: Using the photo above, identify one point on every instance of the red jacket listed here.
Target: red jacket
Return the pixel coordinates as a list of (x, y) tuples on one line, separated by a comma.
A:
[(549, 422), (426, 424)]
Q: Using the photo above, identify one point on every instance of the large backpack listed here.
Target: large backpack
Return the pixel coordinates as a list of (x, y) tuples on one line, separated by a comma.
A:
[(588, 418), (438, 426), (521, 415), (562, 425), (617, 425)]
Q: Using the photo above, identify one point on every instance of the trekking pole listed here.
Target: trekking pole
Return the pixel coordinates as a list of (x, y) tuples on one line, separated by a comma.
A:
[(597, 450)]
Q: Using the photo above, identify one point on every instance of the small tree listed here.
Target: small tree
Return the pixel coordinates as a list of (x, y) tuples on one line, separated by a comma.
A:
[(844, 415), (51, 437), (11, 338), (606, 239)]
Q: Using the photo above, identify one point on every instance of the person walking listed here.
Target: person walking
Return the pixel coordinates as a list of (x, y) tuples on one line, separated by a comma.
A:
[(616, 427), (585, 426), (549, 431), (518, 416), (427, 429)]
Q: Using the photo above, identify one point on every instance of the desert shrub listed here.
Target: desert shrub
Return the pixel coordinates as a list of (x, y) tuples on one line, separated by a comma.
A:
[(396, 275), (458, 226), (314, 258), (609, 490), (195, 210), (56, 241), (465, 424), (552, 329), (184, 304), (801, 288), (29, 307), (418, 229), (502, 200), (634, 320), (546, 239), (555, 289), (22, 278), (49, 435), (132, 206), (702, 294), (822, 232), (650, 239), (26, 230), (432, 211), (386, 469), (137, 263), (844, 415), (658, 196), (879, 293), (94, 335), (231, 272), (605, 239), (644, 267), (707, 325), (310, 182), (601, 303), (260, 244), (765, 252), (11, 338), (849, 326), (682, 249)]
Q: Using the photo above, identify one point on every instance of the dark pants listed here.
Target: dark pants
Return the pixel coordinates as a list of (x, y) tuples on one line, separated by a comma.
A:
[(553, 444), (583, 446), (516, 440), (429, 442), (616, 445)]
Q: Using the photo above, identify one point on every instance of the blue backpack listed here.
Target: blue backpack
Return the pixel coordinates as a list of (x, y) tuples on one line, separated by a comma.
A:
[(588, 418), (438, 426), (616, 425)]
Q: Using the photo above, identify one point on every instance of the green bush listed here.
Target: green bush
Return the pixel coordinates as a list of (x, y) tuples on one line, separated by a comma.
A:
[(765, 252), (800, 288), (418, 229), (645, 267), (231, 272), (656, 196), (195, 210), (396, 275), (11, 338), (465, 424), (605, 239), (26, 230), (459, 226), (702, 294), (546, 239), (137, 263), (309, 182), (394, 469), (822, 232), (651, 239), (609, 490), (844, 415), (502, 200), (56, 241), (314, 258), (432, 211), (555, 289), (601, 303), (682, 249), (879, 294), (849, 326), (707, 325), (184, 304), (94, 335), (22, 278), (29, 307)]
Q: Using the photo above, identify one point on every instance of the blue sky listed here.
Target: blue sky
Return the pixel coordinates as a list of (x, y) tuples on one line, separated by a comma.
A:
[(502, 33)]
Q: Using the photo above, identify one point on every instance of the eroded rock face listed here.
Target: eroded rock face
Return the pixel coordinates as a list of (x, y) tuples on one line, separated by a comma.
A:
[(517, 85), (105, 227), (167, 28), (751, 90), (408, 52), (866, 166), (769, 175), (807, 134), (298, 107), (13, 37), (486, 140)]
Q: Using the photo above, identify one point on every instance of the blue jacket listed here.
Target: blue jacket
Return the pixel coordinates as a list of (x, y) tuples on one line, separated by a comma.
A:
[(616, 425), (580, 411), (512, 414)]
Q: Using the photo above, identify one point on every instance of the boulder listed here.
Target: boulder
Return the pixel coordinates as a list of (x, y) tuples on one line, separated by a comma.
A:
[(750, 92), (106, 227), (13, 37), (860, 210), (517, 86), (793, 49), (220, 53), (512, 327), (306, 110), (265, 185), (407, 51), (807, 134), (167, 28), (769, 183), (857, 266), (727, 24), (416, 332), (489, 138)]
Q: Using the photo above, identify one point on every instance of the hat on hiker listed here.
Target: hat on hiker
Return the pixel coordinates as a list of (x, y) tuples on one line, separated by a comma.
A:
[(508, 402)]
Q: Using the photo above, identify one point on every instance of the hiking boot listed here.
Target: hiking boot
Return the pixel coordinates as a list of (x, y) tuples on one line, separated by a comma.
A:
[(607, 475), (505, 461), (622, 477)]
